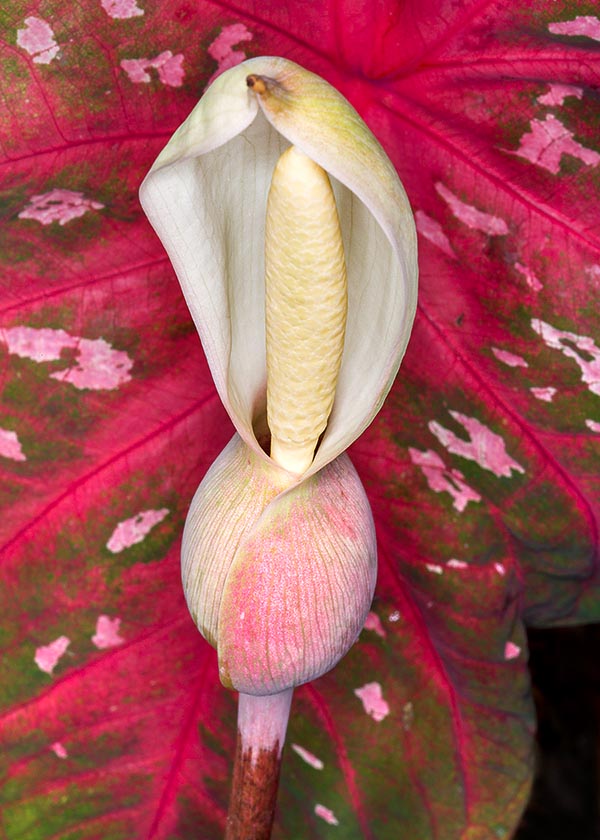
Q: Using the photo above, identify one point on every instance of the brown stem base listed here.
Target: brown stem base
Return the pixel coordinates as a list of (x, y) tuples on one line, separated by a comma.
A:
[(254, 793), (262, 724)]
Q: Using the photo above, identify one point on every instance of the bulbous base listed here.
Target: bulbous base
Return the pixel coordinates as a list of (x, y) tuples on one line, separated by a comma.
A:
[(279, 578)]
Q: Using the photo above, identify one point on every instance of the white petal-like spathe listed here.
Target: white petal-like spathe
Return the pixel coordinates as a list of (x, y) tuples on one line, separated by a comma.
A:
[(206, 198)]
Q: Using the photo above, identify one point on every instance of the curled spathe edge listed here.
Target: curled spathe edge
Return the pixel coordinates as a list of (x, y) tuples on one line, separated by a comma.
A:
[(206, 198)]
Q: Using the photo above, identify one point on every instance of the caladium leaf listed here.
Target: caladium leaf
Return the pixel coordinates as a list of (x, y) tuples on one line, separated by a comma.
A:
[(482, 468)]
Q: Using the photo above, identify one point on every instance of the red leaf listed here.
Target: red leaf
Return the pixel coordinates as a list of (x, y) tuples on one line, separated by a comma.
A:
[(482, 468)]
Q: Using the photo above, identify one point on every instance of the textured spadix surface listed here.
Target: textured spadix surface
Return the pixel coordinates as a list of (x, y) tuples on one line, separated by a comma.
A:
[(306, 306), (489, 112)]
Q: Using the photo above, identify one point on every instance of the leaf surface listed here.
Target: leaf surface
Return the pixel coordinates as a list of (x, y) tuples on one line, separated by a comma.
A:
[(482, 468)]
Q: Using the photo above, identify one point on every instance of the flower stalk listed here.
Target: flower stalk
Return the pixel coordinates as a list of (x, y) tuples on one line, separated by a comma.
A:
[(262, 724)]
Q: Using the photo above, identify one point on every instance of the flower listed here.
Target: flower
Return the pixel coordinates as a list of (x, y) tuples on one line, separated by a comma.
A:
[(279, 564)]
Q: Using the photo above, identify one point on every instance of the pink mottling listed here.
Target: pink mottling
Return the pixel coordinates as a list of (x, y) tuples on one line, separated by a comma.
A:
[(308, 757), (434, 568), (511, 651), (588, 357), (433, 231), (484, 446), (98, 365), (47, 656), (169, 67), (134, 530), (37, 38), (107, 633), (340, 522), (326, 814), (510, 359), (121, 9), (373, 622), (371, 697), (10, 446), (587, 25), (457, 564), (548, 141), (557, 94), (593, 425), (544, 394), (470, 216), (58, 750), (530, 278), (222, 50), (441, 479), (58, 206), (499, 567)]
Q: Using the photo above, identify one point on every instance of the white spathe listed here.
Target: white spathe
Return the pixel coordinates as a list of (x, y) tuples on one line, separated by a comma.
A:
[(206, 198)]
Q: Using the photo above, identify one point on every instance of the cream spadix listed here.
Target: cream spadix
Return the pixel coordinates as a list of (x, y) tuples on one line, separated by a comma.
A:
[(306, 304)]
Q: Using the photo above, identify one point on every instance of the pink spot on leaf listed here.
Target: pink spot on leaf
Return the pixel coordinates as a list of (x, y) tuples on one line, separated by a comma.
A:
[(98, 365), (499, 567), (585, 352), (586, 25), (222, 50), (47, 656), (511, 651), (308, 757), (10, 446), (121, 9), (107, 633), (58, 750), (557, 94), (433, 231), (593, 271), (58, 206), (544, 394), (37, 38), (326, 814), (510, 359), (530, 278), (548, 141), (457, 564), (134, 530), (373, 622), (440, 479), (169, 67), (593, 425), (470, 216), (484, 446), (371, 697), (394, 616), (39, 345)]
